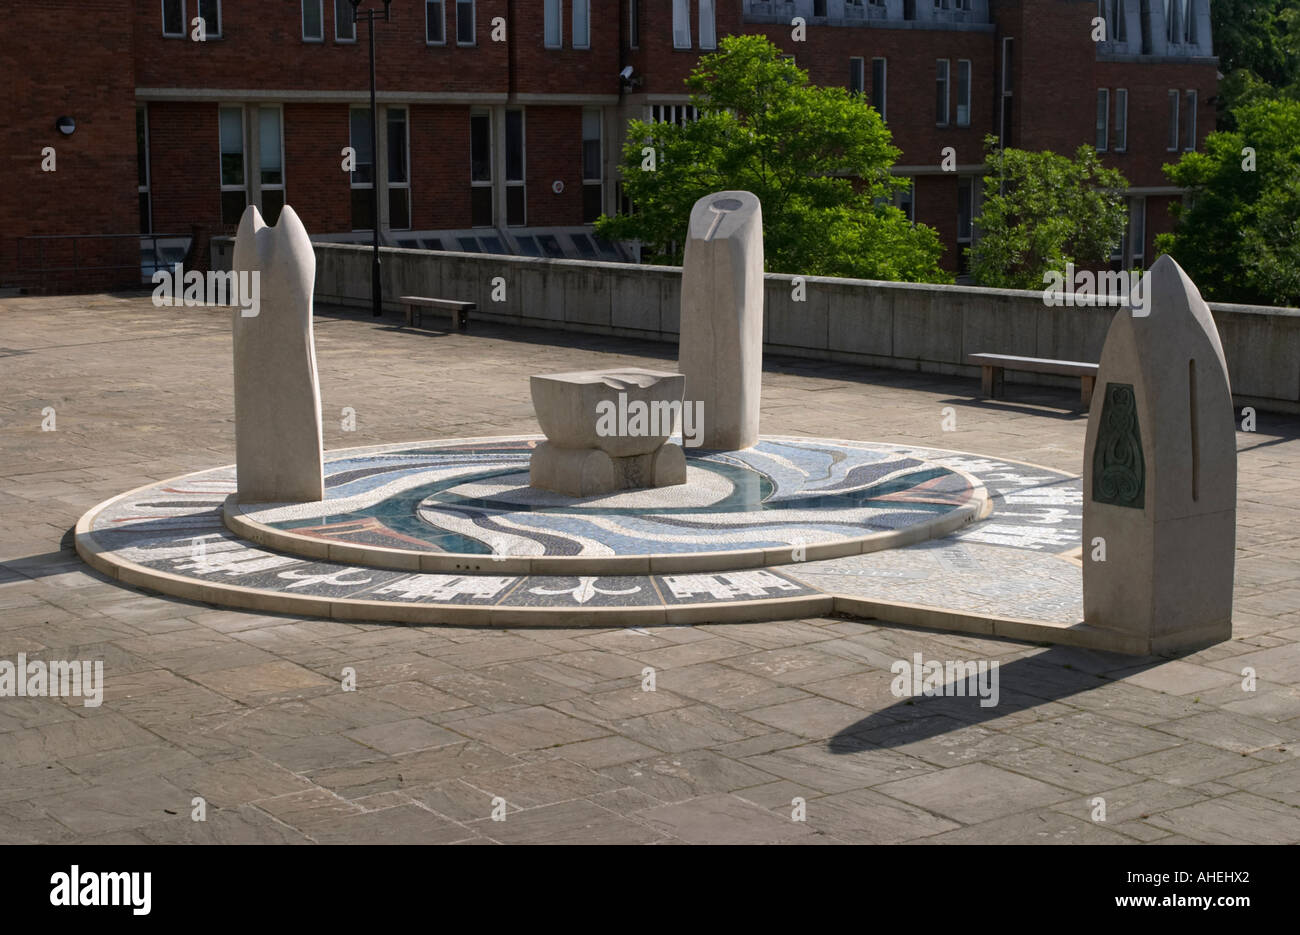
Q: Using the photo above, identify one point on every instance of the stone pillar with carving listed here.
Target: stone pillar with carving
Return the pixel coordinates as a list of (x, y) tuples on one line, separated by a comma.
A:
[(1160, 475)]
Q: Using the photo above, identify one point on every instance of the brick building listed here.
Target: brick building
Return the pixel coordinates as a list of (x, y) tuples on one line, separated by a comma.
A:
[(501, 120)]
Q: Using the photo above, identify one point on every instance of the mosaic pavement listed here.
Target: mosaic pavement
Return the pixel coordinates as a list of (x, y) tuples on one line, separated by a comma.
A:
[(171, 537)]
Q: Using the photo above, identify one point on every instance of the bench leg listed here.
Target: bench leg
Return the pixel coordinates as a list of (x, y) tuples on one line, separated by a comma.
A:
[(991, 381), (409, 309), (462, 320), (1085, 390)]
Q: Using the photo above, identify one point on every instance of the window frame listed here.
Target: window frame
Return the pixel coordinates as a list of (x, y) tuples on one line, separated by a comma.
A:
[(353, 185), (184, 22), (320, 5), (351, 22), (473, 22), (442, 16), (489, 182), (1101, 139), (281, 186), (858, 75), (1193, 100), (634, 24), (573, 24), (970, 78), (599, 181), (1121, 121), (389, 185), (884, 84), (208, 33), (946, 81), (682, 25), (506, 181), (146, 189), (712, 32), (558, 7), (243, 157), (1175, 105)]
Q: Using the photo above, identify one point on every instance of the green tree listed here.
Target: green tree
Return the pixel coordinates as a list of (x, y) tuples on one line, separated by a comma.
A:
[(818, 159), (1238, 232), (1258, 45), (1041, 211)]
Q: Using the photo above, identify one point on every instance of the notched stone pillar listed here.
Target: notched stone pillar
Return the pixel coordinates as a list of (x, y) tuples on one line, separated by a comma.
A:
[(1160, 475), (721, 349), (277, 393)]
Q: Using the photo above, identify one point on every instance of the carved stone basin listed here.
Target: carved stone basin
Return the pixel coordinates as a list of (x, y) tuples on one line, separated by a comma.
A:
[(623, 412)]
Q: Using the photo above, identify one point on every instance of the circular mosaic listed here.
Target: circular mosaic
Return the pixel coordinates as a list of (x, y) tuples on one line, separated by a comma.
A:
[(467, 506)]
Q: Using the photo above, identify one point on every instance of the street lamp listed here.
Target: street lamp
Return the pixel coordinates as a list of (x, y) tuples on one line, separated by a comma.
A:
[(376, 292)]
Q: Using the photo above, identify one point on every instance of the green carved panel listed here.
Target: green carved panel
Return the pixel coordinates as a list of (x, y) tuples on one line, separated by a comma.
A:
[(1118, 471)]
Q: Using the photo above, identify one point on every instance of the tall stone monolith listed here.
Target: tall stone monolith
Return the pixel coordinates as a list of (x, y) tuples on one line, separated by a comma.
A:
[(721, 350), (277, 393), (1160, 475)]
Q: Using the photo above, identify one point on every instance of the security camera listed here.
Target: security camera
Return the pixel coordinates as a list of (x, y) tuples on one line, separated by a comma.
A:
[(626, 73)]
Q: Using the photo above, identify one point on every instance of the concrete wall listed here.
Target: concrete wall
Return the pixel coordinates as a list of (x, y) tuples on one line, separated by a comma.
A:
[(901, 326)]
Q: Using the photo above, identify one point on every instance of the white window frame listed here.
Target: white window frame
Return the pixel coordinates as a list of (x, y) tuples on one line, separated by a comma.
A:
[(944, 65), (884, 84), (184, 22), (490, 182), (583, 42), (353, 184), (389, 184), (282, 185), (1121, 120), (970, 93), (681, 24), (962, 182), (507, 182), (243, 154), (1189, 144), (442, 7), (343, 40), (473, 22), (1175, 105), (858, 72), (553, 8), (634, 24), (708, 24), (910, 198), (600, 162), (320, 5), (1101, 132), (207, 32), (147, 187)]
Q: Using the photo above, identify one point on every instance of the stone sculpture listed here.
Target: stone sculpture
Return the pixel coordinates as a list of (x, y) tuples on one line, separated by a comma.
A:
[(721, 351), (277, 393), (1160, 475), (607, 431)]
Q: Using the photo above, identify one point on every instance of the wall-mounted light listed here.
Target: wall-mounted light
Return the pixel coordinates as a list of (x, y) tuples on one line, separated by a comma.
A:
[(65, 125)]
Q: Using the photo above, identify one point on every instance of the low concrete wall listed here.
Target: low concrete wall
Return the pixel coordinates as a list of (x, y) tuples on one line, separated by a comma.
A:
[(902, 326)]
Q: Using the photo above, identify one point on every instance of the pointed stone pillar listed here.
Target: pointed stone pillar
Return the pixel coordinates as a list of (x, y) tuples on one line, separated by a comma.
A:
[(1160, 474), (721, 344), (277, 393)]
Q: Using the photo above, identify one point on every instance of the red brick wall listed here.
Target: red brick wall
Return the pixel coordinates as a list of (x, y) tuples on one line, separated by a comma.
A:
[(185, 166), (554, 136), (314, 181), (538, 70), (440, 189), (50, 71)]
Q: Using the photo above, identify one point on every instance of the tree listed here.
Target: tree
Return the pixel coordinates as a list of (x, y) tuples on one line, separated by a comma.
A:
[(1258, 45), (1041, 211), (818, 158), (1238, 232)]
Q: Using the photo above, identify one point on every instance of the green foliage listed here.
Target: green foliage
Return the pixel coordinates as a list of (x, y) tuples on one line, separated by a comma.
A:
[(1041, 211), (1238, 235), (1258, 44), (818, 159)]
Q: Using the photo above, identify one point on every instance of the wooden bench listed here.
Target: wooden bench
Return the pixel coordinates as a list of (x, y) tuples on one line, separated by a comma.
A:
[(459, 310), (994, 364)]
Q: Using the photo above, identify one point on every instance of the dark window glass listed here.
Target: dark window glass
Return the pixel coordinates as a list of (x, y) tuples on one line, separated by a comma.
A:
[(363, 209), (480, 206), (141, 148), (313, 26), (493, 245), (364, 173), (397, 146), (272, 202), (210, 10), (515, 213), (146, 222), (465, 22), (399, 208), (469, 244), (550, 246), (480, 148), (433, 21), (173, 18), (634, 23), (878, 85), (591, 203), (344, 27), (528, 246), (232, 207), (857, 76), (584, 245), (514, 146)]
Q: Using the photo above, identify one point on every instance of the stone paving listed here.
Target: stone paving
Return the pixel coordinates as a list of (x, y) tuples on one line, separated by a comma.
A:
[(551, 727)]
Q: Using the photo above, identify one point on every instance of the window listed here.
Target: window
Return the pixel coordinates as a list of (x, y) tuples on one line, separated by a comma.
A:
[(270, 161), (1173, 121), (210, 12), (941, 93), (516, 212), (1121, 120), (878, 85), (480, 168), (554, 28), (173, 18), (1116, 27), (345, 30), (313, 20), (965, 207), (634, 23), (582, 24), (681, 24), (363, 174), (399, 175), (671, 113), (963, 93), (1103, 118), (905, 200), (1190, 123), (1004, 120), (819, 7), (464, 22), (857, 76), (708, 26), (142, 167), (234, 184), (1137, 232), (1189, 18), (593, 188), (435, 22)]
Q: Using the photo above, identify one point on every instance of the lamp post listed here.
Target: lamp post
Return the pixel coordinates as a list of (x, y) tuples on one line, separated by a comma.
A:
[(376, 291)]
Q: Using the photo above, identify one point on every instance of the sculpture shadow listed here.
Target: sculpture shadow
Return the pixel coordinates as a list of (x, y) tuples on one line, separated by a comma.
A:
[(1023, 684)]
